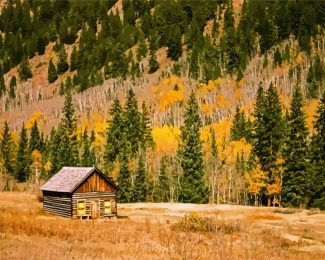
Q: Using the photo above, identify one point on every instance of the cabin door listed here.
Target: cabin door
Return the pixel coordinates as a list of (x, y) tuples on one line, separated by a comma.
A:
[(94, 209)]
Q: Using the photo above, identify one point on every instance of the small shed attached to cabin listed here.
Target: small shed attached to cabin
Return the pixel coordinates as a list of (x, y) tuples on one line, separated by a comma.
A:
[(83, 192)]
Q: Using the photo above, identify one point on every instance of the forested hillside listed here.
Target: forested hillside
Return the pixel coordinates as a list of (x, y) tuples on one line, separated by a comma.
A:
[(186, 100)]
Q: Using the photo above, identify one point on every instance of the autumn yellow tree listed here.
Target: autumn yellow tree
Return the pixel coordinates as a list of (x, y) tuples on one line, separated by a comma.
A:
[(36, 166), (257, 180)]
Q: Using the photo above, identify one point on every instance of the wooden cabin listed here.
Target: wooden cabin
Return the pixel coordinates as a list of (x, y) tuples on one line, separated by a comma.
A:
[(80, 192)]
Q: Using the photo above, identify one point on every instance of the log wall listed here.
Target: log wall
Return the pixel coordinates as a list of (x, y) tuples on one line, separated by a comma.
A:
[(57, 203), (98, 197)]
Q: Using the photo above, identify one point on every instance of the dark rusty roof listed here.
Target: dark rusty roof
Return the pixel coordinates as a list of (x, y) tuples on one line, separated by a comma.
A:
[(67, 179)]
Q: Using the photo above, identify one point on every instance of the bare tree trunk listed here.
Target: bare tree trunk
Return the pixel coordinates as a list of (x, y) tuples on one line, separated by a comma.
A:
[(218, 194)]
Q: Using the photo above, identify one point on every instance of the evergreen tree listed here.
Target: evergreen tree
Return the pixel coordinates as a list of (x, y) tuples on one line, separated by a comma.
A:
[(153, 63), (12, 86), (132, 122), (35, 142), (7, 149), (114, 134), (68, 84), (296, 186), (124, 180), (2, 84), (145, 126), (63, 65), (23, 159), (93, 157), (74, 59), (69, 143), (174, 43), (269, 129), (193, 187), (239, 128), (54, 152), (24, 70), (318, 157), (140, 189), (86, 154), (161, 193), (61, 89), (51, 73)]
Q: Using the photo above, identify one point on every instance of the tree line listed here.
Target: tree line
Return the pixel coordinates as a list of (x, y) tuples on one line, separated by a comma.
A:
[(287, 163), (285, 166)]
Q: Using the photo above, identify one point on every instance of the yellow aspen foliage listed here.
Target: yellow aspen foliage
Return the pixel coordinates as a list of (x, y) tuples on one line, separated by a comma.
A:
[(232, 149), (81, 128), (166, 139), (37, 116), (285, 101), (207, 109), (168, 92), (310, 109), (256, 179), (222, 102), (299, 59), (37, 162), (238, 95), (240, 83), (205, 88), (274, 188), (221, 128), (227, 150), (36, 156)]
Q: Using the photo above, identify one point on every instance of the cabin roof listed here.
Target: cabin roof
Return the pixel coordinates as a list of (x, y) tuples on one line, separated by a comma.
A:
[(69, 178)]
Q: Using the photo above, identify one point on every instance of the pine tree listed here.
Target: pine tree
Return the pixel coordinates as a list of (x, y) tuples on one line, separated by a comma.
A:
[(93, 156), (35, 142), (86, 154), (140, 189), (269, 128), (318, 157), (24, 70), (114, 134), (161, 193), (7, 149), (2, 84), (296, 187), (61, 89), (153, 63), (51, 73), (132, 122), (174, 43), (274, 129), (12, 86), (69, 143), (54, 152), (23, 159), (124, 180), (145, 126), (193, 187), (239, 128), (74, 59), (63, 65)]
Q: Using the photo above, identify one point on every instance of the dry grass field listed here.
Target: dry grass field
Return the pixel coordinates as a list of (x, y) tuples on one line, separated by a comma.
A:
[(160, 231)]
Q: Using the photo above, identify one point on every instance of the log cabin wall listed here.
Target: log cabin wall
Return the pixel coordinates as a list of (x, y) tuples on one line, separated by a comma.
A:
[(98, 197), (57, 203)]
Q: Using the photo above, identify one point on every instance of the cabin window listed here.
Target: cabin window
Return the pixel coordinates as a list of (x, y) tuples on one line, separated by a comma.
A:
[(107, 207), (81, 207)]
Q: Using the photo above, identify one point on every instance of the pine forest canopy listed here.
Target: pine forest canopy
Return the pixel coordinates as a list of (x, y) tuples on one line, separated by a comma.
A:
[(105, 36)]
